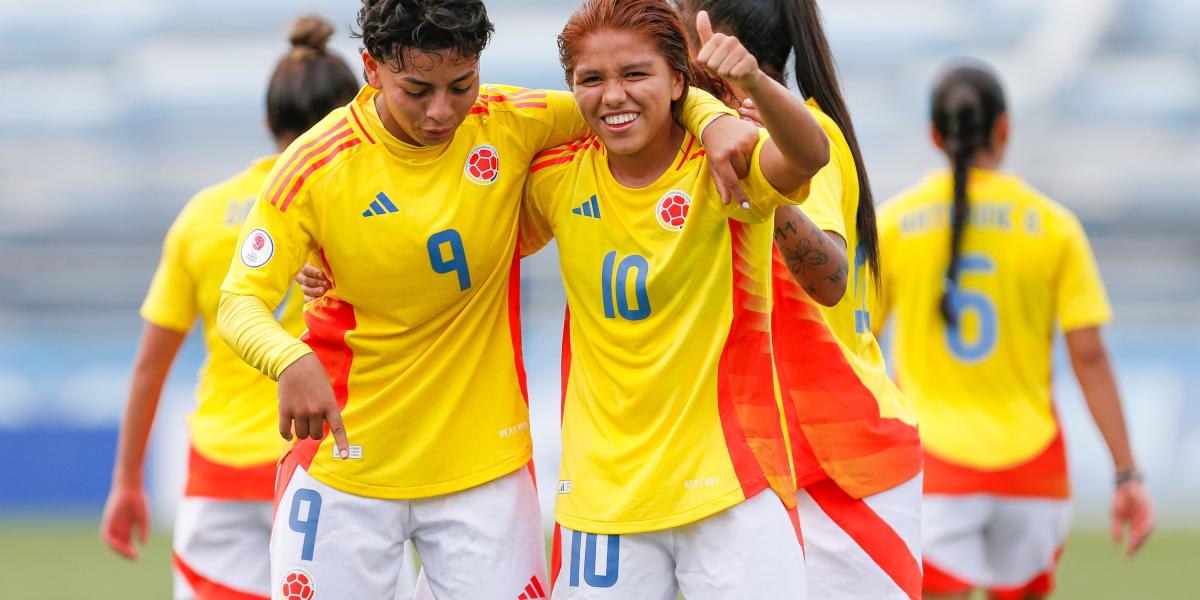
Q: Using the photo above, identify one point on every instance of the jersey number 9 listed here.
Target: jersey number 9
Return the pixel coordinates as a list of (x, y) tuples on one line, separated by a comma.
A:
[(457, 263)]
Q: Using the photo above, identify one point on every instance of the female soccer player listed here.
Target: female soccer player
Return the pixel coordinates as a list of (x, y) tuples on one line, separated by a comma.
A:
[(853, 435), (671, 431), (409, 197), (979, 268), (224, 519)]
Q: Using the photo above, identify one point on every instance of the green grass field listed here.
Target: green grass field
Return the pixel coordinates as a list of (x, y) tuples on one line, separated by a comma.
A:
[(50, 560)]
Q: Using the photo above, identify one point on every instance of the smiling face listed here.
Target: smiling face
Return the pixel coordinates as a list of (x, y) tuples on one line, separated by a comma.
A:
[(425, 98), (624, 88)]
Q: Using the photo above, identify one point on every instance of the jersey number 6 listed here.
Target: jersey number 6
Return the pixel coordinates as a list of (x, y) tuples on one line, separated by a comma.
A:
[(457, 263), (963, 301)]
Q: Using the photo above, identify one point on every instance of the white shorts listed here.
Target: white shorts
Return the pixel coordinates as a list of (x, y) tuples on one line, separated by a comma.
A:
[(481, 543), (220, 549), (862, 548), (751, 550), (1006, 545)]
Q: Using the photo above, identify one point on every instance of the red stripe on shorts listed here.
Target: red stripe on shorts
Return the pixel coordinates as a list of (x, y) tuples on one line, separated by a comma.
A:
[(1041, 585), (938, 581), (207, 589), (872, 534), (555, 556)]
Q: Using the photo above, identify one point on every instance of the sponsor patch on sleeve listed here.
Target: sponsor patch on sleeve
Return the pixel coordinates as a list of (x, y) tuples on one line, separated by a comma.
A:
[(257, 249)]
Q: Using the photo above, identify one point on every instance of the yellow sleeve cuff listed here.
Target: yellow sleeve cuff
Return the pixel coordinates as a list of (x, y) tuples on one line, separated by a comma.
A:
[(701, 109), (247, 325)]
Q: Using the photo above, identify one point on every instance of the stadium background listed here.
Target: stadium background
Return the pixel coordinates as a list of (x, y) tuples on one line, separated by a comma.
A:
[(113, 113)]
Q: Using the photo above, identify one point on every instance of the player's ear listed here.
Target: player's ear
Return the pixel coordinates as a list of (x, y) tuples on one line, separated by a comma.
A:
[(936, 137), (1000, 131), (371, 70), (677, 87)]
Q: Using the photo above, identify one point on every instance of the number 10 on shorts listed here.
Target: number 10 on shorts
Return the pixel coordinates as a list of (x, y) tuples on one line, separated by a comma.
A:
[(308, 502), (591, 574)]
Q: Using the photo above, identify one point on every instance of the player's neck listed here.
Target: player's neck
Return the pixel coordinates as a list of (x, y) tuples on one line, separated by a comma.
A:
[(643, 167)]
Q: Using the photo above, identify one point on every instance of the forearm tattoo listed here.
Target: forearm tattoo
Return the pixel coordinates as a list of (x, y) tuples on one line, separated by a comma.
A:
[(799, 252)]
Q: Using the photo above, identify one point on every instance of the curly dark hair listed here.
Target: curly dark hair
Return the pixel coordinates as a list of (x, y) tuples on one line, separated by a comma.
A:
[(389, 27)]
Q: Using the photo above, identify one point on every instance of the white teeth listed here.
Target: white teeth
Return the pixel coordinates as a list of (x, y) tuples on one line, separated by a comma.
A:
[(621, 119)]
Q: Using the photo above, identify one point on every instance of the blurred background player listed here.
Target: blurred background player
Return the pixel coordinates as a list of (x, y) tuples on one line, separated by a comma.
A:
[(671, 432), (853, 435), (410, 197), (224, 520), (978, 269)]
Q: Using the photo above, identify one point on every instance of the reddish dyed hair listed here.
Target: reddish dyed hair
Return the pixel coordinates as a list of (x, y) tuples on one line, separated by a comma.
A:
[(657, 20)]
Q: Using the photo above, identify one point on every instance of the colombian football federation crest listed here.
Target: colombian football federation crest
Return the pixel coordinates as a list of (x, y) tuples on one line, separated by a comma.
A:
[(672, 210), (298, 585), (257, 249), (483, 165)]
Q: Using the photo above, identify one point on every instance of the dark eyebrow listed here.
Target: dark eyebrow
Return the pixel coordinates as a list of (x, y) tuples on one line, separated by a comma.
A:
[(641, 65), (464, 77)]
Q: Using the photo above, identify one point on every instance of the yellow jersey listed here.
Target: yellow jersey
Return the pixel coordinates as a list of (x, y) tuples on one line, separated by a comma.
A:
[(669, 412), (234, 431), (847, 419), (420, 333), (982, 387)]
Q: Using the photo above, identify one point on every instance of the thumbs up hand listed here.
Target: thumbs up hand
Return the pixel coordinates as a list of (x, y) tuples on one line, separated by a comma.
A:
[(725, 57)]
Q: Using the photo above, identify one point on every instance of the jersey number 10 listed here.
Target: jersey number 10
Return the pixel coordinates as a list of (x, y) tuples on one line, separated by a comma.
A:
[(615, 287)]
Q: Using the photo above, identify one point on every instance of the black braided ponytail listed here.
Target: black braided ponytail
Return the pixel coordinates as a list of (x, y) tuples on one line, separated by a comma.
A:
[(967, 101)]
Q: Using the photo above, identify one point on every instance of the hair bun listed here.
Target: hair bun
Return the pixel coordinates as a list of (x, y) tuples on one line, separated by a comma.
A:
[(311, 32)]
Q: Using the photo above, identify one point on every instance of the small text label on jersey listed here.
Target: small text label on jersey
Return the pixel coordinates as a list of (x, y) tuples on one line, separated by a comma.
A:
[(355, 452), (701, 483), (483, 165), (257, 249), (381, 205), (515, 429), (564, 486), (672, 210), (591, 208)]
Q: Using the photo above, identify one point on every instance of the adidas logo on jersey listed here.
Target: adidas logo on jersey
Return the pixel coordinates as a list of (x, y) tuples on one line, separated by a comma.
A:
[(591, 208), (532, 590), (380, 205)]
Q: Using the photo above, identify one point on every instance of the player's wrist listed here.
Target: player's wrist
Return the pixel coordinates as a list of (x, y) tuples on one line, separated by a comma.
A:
[(1127, 475)]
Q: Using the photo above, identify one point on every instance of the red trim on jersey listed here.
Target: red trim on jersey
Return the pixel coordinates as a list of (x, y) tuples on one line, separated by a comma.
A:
[(207, 589), (691, 141), (357, 121), (1043, 476), (745, 387), (480, 110), (531, 105), (296, 156), (697, 155), (555, 556), (299, 183), (549, 163), (328, 320), (1041, 585), (210, 479), (565, 370), (514, 322), (565, 153), (833, 418), (937, 581), (873, 534)]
